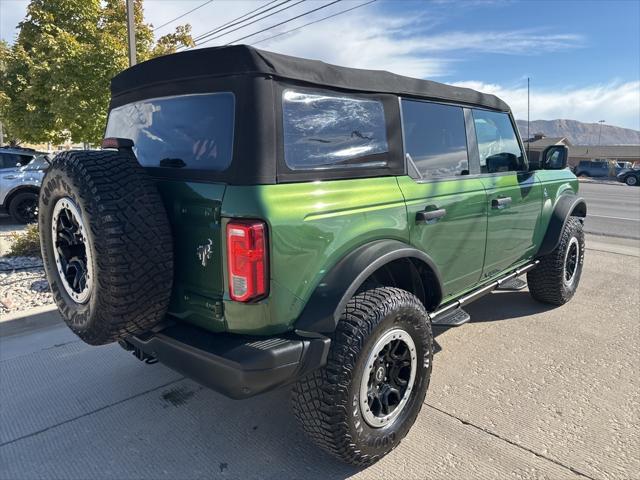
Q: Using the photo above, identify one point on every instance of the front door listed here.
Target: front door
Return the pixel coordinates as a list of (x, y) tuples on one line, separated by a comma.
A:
[(514, 194), (447, 209)]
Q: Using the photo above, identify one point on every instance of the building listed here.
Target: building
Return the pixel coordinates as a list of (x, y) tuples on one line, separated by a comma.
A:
[(617, 153), (577, 153)]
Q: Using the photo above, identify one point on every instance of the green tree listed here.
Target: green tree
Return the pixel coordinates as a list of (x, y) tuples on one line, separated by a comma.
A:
[(54, 80)]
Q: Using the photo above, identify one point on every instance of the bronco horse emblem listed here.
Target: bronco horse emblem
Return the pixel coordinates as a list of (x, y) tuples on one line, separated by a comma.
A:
[(204, 252)]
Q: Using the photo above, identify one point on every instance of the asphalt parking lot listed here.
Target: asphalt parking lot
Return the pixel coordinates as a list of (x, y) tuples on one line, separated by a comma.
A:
[(522, 391)]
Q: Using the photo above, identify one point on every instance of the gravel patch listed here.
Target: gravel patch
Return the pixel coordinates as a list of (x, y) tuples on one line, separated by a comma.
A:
[(22, 284)]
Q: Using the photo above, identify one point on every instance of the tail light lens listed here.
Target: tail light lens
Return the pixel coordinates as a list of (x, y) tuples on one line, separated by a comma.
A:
[(247, 260)]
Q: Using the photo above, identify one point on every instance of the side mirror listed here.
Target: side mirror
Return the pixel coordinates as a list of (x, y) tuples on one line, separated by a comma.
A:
[(502, 162), (555, 157)]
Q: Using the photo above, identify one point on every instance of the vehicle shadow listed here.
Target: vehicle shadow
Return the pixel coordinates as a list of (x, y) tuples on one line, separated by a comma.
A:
[(266, 431), (253, 438), (8, 224), (505, 305), (183, 430), (498, 306)]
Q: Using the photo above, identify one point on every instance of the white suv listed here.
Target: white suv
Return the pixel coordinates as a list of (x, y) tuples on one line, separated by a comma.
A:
[(21, 173)]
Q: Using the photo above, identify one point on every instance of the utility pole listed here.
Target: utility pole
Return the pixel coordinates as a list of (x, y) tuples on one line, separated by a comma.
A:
[(600, 133), (528, 119), (1, 135), (131, 31)]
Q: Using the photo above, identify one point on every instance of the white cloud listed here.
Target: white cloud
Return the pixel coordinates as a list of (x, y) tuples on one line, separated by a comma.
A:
[(618, 103), (366, 38), (407, 44)]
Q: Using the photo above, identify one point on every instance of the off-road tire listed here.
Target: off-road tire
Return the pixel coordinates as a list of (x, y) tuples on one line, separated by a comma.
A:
[(129, 238), (17, 201), (547, 281), (326, 402)]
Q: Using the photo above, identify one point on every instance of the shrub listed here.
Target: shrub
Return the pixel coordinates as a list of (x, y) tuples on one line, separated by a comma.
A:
[(25, 244)]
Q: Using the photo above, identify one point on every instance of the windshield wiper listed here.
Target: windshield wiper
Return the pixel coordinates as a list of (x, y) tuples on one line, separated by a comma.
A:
[(172, 163)]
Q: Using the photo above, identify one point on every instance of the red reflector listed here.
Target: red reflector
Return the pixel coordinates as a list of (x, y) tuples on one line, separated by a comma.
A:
[(113, 142), (247, 260)]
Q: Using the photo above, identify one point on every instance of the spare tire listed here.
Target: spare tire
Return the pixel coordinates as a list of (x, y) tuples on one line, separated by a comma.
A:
[(106, 244)]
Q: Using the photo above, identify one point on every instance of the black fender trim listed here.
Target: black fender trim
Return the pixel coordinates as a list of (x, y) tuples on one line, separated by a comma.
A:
[(567, 206), (323, 310)]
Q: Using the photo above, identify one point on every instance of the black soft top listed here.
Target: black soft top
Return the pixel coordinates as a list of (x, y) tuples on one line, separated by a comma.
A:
[(246, 60)]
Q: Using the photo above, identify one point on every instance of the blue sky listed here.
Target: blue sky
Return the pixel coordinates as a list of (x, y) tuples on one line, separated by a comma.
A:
[(583, 57)]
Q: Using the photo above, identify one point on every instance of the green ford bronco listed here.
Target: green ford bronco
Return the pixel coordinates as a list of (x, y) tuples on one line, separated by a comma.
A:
[(256, 220)]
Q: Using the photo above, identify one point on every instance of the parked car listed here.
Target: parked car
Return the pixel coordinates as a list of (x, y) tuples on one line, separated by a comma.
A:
[(258, 220), (21, 173), (597, 168), (630, 177)]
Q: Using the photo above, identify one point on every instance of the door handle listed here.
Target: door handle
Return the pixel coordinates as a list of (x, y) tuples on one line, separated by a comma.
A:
[(430, 216), (501, 202)]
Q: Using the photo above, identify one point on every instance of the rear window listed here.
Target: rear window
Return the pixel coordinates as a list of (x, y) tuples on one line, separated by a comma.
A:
[(327, 131), (189, 131)]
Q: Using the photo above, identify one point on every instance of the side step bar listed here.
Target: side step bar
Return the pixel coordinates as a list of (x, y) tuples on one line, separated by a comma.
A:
[(449, 308), (453, 318)]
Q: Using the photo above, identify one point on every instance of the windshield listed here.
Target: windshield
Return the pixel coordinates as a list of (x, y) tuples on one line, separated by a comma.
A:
[(190, 131)]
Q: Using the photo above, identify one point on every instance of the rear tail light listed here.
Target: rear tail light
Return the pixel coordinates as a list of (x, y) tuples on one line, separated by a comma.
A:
[(247, 260)]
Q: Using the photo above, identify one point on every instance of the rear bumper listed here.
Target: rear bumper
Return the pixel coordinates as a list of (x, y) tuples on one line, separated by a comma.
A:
[(235, 365)]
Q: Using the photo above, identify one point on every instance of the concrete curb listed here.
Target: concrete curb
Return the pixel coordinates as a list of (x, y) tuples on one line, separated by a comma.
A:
[(608, 181), (620, 246), (29, 320)]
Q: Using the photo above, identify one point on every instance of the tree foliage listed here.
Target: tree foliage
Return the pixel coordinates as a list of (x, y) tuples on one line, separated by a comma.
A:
[(54, 80)]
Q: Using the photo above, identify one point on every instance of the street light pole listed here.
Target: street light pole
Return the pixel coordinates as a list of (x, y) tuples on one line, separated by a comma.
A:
[(600, 134), (131, 33)]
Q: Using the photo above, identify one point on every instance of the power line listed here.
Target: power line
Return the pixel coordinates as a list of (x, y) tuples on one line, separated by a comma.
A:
[(240, 19), (183, 15), (247, 24), (282, 23), (315, 21)]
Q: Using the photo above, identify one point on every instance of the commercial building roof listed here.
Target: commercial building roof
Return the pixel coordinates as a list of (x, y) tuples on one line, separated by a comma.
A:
[(605, 151)]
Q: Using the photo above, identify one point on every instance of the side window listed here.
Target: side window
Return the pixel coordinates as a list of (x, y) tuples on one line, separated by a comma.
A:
[(329, 131), (9, 160), (497, 143), (435, 139), (24, 159)]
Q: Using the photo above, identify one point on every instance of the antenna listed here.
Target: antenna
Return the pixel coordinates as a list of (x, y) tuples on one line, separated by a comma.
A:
[(528, 120)]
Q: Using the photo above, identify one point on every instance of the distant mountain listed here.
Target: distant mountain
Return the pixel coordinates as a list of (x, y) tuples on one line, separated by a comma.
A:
[(580, 133)]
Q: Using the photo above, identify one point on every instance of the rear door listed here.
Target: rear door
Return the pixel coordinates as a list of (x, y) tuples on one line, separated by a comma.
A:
[(446, 206), (514, 194), (176, 138), (8, 168)]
